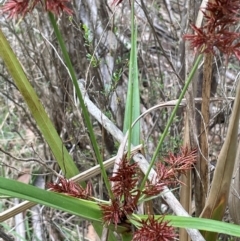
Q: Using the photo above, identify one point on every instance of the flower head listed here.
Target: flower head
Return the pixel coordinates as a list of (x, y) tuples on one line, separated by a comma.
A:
[(170, 169), (220, 16), (154, 230), (181, 163), (58, 6), (125, 179), (16, 8), (71, 188), (153, 189), (112, 213)]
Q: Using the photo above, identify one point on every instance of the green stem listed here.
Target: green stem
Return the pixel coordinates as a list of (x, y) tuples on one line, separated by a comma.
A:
[(133, 55), (81, 100), (184, 90)]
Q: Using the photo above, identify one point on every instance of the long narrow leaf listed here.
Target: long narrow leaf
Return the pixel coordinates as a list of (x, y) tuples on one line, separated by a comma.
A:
[(132, 110), (91, 211), (36, 108), (86, 209), (184, 90), (218, 195), (81, 100), (201, 224), (83, 208), (204, 224)]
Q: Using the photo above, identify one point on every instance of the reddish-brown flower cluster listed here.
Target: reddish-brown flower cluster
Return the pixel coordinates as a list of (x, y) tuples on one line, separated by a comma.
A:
[(154, 230), (16, 8), (117, 211), (170, 169), (125, 179), (179, 164), (71, 188), (220, 16), (154, 189), (125, 193)]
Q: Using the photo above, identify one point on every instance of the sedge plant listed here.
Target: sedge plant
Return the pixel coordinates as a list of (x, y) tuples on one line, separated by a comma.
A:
[(119, 214), (217, 35)]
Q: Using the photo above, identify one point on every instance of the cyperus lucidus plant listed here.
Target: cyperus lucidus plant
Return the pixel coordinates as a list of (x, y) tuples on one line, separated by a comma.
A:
[(121, 209), (129, 198)]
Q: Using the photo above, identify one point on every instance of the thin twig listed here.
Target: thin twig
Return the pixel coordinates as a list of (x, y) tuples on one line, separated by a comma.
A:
[(5, 237), (29, 160)]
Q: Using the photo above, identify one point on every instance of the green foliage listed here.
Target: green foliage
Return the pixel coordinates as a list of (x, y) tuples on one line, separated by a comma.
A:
[(51, 199), (116, 75), (81, 101), (91, 211), (171, 119), (87, 35), (88, 42), (45, 125), (93, 60), (132, 109)]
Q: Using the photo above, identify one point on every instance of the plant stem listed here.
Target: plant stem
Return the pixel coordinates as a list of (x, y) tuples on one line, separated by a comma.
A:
[(81, 100)]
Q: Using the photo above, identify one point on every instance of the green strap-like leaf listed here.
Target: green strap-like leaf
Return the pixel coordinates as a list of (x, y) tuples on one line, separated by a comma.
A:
[(132, 109), (218, 196), (83, 208), (170, 121), (201, 224), (86, 116), (91, 211), (36, 108), (86, 209)]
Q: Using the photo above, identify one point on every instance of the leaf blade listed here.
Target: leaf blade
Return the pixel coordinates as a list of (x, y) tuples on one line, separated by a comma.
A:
[(36, 108)]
